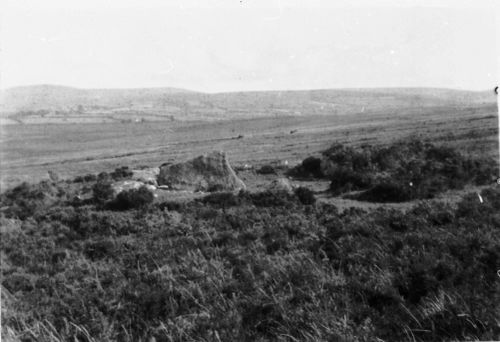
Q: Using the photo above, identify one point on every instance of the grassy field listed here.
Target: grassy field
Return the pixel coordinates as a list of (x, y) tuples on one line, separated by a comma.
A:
[(28, 151)]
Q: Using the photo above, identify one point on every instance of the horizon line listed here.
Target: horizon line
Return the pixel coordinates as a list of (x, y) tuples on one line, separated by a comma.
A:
[(181, 89)]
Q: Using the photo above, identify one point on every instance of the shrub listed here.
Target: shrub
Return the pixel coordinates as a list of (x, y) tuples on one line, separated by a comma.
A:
[(441, 153), (387, 192), (268, 198), (172, 206), (90, 177), (344, 180), (78, 179), (133, 198), (430, 169), (309, 168), (305, 195), (348, 157), (87, 178), (266, 170), (121, 173), (215, 188), (313, 166), (103, 176), (102, 191), (24, 191), (26, 199), (222, 199)]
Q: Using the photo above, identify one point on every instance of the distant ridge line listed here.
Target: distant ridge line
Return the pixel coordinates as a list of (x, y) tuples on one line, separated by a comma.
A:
[(61, 104), (164, 88)]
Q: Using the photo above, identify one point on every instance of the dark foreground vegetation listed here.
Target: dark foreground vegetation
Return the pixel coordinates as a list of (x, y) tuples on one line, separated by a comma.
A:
[(399, 172), (269, 266)]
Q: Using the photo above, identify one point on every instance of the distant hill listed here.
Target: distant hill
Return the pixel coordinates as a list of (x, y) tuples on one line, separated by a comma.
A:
[(58, 104), (54, 97)]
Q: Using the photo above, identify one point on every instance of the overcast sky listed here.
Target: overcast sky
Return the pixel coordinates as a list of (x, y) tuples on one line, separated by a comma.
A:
[(230, 45)]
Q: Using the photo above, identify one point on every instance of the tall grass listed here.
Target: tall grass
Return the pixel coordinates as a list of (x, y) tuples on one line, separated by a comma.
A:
[(253, 268)]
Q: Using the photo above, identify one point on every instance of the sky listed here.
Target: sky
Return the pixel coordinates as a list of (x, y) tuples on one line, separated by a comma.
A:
[(234, 45)]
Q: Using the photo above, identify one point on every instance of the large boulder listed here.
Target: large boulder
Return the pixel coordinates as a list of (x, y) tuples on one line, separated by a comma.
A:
[(280, 185), (126, 185), (210, 172)]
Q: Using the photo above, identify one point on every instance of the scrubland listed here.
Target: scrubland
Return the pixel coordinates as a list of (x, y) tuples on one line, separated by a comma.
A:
[(260, 265)]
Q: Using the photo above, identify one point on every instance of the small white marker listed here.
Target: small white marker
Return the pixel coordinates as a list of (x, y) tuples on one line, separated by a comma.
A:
[(411, 183), (480, 198)]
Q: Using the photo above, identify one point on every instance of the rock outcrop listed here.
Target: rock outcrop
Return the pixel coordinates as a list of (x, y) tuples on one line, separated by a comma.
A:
[(129, 185), (280, 185), (210, 172), (148, 175)]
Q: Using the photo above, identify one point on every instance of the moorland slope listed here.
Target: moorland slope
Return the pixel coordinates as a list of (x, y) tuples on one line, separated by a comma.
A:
[(56, 104)]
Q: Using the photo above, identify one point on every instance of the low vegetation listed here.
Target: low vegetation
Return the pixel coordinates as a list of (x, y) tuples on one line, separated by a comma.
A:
[(132, 199), (310, 168), (266, 170), (268, 266), (399, 172)]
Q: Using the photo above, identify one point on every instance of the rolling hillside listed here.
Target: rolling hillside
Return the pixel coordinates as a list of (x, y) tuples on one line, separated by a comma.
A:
[(57, 104), (51, 97)]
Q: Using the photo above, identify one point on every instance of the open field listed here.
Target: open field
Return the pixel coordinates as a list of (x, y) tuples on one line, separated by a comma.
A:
[(28, 151)]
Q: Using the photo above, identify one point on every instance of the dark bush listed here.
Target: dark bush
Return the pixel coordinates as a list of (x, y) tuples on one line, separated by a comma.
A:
[(345, 180), (222, 199), (386, 158), (268, 198), (309, 168), (347, 157), (387, 192), (24, 191), (26, 199), (266, 170), (121, 173), (172, 206), (215, 188), (102, 191), (104, 177), (441, 153), (133, 199), (305, 195), (90, 177), (419, 281), (429, 169)]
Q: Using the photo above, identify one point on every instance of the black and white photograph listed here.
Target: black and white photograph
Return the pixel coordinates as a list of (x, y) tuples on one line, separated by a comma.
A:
[(249, 170)]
